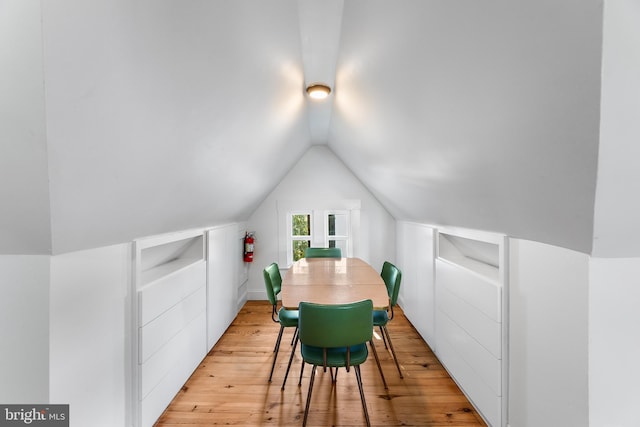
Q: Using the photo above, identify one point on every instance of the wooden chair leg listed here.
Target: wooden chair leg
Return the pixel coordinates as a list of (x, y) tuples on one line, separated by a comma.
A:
[(364, 403), (393, 352), (275, 350), (306, 409)]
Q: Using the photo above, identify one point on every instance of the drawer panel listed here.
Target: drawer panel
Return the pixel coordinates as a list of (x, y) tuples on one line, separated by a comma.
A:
[(477, 291), (481, 327)]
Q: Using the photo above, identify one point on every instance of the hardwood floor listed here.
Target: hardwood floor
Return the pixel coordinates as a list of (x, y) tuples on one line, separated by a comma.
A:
[(231, 385)]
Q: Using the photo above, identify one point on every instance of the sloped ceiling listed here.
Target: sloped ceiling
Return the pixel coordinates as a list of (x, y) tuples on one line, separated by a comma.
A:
[(24, 191), (164, 115), (479, 114)]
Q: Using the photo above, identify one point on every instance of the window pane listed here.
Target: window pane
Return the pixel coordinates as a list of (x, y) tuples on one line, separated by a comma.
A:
[(342, 244), (301, 225), (337, 225), (298, 248)]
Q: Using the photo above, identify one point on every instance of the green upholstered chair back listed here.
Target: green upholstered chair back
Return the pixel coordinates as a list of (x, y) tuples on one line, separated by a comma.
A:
[(335, 336), (335, 325), (392, 277), (323, 253), (272, 282)]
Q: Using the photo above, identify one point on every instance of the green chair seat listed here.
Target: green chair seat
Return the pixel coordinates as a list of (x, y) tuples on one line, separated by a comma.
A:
[(380, 318), (288, 318), (335, 357)]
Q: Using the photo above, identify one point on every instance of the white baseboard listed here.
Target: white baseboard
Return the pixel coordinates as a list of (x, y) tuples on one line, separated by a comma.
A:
[(256, 296)]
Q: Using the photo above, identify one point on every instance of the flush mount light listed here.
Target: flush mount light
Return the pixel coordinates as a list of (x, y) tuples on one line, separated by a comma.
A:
[(318, 91)]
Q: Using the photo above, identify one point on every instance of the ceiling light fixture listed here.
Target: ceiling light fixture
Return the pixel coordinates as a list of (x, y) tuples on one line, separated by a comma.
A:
[(318, 91)]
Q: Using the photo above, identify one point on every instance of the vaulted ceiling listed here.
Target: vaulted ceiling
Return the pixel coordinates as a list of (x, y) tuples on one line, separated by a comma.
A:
[(129, 118)]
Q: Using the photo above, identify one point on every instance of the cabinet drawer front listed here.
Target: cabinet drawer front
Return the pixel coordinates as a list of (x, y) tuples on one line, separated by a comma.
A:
[(480, 394), (483, 329), (479, 292), (162, 294), (486, 367), (161, 381), (162, 329), (184, 351)]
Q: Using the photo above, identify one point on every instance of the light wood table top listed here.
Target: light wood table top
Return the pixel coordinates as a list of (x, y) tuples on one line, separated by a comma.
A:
[(333, 281)]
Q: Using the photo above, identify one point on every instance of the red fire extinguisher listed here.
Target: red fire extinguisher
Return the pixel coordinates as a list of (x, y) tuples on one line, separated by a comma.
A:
[(248, 247)]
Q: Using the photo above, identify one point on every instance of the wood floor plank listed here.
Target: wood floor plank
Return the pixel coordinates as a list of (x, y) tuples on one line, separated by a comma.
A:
[(230, 386)]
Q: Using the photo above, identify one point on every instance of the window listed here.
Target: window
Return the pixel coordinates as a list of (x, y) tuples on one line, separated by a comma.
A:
[(314, 224), (300, 234), (338, 230), (317, 228)]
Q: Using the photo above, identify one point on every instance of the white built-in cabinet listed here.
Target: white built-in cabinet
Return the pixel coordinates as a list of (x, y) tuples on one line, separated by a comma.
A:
[(416, 249), (226, 279), (455, 291), (169, 313), (184, 296), (471, 316)]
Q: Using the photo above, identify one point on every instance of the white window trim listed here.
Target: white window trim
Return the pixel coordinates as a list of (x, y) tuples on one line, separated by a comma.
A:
[(319, 209), (290, 237), (337, 237)]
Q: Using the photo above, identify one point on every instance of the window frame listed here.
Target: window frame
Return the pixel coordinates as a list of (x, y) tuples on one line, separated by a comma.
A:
[(319, 212), (337, 237), (292, 238)]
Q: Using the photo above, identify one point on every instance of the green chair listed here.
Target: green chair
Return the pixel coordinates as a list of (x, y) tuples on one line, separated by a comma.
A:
[(373, 348), (286, 318), (335, 336), (392, 277), (323, 253)]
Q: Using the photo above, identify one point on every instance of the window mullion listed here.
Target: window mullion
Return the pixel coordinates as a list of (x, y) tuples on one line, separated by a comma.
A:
[(318, 229)]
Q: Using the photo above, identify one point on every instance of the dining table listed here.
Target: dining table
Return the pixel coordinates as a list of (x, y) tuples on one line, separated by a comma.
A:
[(333, 281)]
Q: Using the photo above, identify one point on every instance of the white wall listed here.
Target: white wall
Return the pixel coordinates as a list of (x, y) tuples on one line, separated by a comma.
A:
[(614, 294), (24, 207), (24, 334), (549, 335), (614, 347), (616, 227), (89, 352), (24, 186), (318, 175)]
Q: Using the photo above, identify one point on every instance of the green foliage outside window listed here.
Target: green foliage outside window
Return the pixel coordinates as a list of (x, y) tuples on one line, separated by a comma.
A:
[(298, 249), (301, 226)]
